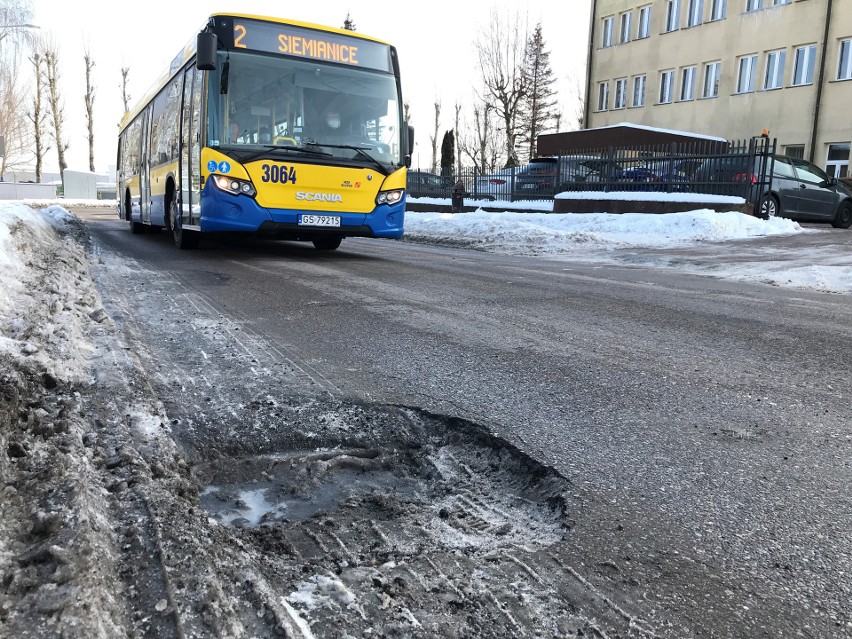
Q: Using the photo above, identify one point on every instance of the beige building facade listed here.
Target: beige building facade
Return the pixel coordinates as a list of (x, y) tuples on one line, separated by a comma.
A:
[(728, 68)]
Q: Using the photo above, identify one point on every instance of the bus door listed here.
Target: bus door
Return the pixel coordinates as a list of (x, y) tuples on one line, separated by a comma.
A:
[(145, 169), (190, 157)]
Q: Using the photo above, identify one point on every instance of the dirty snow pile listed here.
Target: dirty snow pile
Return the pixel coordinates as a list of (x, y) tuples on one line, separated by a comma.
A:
[(55, 564)]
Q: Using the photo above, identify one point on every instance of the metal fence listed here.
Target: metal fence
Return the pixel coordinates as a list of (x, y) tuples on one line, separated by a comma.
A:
[(740, 168)]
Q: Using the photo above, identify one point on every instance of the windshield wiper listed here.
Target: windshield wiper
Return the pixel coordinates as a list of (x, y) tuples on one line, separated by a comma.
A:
[(381, 167), (288, 149)]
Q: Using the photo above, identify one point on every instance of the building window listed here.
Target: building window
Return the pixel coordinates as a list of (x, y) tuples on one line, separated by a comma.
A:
[(644, 22), (639, 91), (803, 65), (776, 3), (620, 98), (719, 10), (687, 83), (774, 78), (625, 27), (606, 38), (711, 79), (672, 15), (754, 5), (837, 163), (844, 69), (666, 86), (603, 96), (795, 151), (696, 12), (745, 77)]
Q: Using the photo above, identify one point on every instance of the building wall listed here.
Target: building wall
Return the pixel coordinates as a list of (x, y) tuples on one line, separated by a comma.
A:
[(787, 112)]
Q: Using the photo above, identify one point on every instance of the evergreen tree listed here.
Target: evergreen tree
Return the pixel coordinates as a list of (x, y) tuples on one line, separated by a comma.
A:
[(448, 153), (538, 106)]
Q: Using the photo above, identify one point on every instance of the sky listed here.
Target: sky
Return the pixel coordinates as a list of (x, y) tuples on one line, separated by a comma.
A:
[(435, 43)]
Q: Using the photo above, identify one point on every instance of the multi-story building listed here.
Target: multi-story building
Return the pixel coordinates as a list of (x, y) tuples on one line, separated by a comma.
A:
[(730, 68)]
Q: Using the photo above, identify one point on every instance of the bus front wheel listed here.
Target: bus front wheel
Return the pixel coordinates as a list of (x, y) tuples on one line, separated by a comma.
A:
[(183, 239)]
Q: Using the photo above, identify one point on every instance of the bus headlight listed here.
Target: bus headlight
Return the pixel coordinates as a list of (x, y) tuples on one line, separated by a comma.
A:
[(234, 186), (390, 197)]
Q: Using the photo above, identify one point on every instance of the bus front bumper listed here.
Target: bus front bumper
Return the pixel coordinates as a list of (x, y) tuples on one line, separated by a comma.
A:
[(223, 212)]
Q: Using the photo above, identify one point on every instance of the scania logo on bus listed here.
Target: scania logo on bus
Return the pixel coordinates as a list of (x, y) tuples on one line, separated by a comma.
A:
[(319, 197)]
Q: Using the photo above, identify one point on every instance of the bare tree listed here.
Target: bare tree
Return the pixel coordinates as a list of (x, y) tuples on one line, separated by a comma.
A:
[(38, 115), (15, 34), (89, 100), (538, 106), (125, 96), (434, 137), (500, 51), (57, 109), (484, 145), (15, 30), (14, 127)]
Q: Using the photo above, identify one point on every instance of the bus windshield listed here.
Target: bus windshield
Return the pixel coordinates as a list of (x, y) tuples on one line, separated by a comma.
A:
[(260, 105)]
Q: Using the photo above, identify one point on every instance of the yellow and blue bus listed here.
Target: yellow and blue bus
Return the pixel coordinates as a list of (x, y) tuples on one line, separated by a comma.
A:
[(269, 126)]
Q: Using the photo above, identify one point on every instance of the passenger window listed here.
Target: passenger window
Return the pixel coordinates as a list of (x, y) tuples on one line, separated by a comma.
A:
[(807, 172), (783, 168)]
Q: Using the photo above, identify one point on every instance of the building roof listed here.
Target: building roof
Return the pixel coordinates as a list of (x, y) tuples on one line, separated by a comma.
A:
[(622, 134)]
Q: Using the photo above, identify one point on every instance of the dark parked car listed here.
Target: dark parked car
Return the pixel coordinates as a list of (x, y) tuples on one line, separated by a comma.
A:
[(423, 184), (797, 189), (538, 179)]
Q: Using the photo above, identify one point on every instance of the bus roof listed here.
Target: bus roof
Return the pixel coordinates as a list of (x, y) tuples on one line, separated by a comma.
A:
[(188, 51)]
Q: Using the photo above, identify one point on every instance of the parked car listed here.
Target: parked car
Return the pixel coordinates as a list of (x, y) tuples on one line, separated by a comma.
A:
[(424, 184), (797, 189), (499, 185)]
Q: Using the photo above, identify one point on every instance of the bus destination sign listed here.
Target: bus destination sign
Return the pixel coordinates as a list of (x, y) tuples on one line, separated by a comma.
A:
[(309, 43)]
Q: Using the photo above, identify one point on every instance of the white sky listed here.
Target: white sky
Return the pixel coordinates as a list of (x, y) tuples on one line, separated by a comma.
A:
[(434, 39)]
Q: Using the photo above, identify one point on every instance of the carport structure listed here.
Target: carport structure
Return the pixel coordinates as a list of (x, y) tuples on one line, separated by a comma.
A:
[(622, 135)]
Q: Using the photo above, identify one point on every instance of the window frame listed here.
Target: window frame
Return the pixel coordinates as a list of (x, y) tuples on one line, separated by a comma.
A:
[(716, 65), (687, 83), (695, 13), (625, 26), (643, 29), (672, 16), (845, 47), (775, 69), (607, 31), (752, 67), (666, 95), (809, 64), (718, 10), (643, 81), (603, 96)]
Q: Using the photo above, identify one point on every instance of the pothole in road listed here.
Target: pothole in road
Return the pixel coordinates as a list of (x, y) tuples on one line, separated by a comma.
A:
[(452, 484)]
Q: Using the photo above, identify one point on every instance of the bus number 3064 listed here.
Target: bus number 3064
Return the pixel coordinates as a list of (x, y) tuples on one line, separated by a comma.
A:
[(278, 173)]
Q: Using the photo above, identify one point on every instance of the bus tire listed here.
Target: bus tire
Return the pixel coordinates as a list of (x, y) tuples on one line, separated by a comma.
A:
[(329, 243), (183, 239)]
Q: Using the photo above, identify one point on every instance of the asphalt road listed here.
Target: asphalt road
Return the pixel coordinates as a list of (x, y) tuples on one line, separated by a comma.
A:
[(704, 425)]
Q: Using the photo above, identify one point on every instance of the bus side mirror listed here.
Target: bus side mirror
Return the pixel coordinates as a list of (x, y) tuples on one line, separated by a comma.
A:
[(410, 146), (205, 48)]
